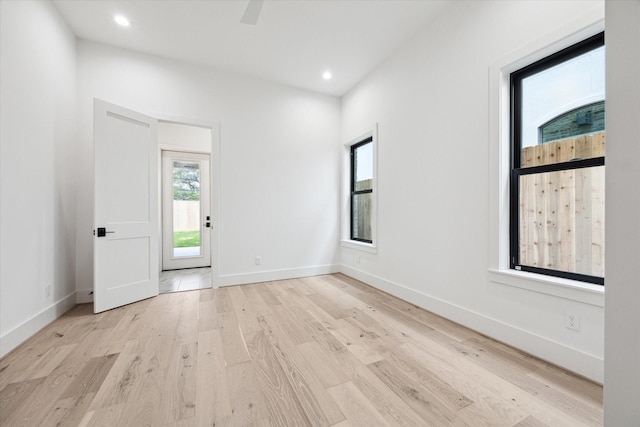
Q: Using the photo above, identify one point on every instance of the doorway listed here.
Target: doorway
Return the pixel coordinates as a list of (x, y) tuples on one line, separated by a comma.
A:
[(186, 210), (128, 233), (188, 246)]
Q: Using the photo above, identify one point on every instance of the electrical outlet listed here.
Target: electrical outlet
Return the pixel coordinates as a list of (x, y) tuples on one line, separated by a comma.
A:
[(47, 290), (258, 260), (572, 321)]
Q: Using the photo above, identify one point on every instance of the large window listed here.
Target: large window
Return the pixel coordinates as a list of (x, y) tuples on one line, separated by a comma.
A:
[(362, 191), (557, 164)]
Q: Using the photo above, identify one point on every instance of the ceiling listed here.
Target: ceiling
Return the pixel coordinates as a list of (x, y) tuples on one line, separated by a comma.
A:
[(293, 42)]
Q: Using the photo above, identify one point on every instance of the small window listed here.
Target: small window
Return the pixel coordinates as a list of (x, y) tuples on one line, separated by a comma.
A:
[(557, 164), (362, 190)]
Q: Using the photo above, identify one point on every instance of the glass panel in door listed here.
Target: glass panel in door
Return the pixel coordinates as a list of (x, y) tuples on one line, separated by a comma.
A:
[(186, 209)]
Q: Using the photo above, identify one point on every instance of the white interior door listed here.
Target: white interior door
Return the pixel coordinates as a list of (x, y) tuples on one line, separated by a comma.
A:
[(186, 210), (126, 207)]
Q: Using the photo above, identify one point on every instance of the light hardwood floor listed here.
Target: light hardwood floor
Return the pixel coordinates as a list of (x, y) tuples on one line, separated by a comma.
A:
[(320, 351)]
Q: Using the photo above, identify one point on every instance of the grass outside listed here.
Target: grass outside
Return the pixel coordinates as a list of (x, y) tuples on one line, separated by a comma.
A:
[(186, 239)]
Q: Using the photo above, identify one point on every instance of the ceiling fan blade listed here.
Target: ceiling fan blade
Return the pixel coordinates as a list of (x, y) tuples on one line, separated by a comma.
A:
[(252, 12)]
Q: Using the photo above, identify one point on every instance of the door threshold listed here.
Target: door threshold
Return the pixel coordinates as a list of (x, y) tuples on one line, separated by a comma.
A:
[(187, 279)]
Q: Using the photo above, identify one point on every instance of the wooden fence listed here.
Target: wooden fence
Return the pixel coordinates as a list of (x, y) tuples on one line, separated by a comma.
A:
[(581, 147), (186, 215), (562, 213)]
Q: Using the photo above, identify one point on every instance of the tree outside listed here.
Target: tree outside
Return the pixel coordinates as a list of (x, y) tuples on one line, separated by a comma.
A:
[(186, 181)]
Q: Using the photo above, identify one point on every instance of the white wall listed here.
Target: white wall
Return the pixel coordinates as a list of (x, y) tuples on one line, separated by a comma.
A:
[(431, 102), (622, 351), (37, 197), (179, 137), (280, 167)]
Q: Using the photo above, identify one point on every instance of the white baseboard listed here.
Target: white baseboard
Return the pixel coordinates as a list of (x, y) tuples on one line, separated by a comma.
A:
[(271, 275), (584, 364), (24, 331)]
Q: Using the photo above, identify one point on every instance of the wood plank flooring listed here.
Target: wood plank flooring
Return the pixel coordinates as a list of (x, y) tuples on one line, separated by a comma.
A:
[(318, 351)]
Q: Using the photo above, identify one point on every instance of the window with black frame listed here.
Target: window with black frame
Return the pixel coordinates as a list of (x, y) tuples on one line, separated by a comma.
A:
[(557, 171), (362, 190)]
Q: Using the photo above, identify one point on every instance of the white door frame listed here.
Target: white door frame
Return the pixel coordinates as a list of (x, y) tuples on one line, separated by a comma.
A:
[(214, 173)]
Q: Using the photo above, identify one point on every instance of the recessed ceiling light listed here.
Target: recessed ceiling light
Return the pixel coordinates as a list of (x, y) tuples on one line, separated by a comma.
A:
[(327, 75), (121, 20)]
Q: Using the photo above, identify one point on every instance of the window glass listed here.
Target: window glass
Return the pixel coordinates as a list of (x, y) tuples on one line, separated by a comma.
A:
[(557, 176), (363, 164), (362, 191), (361, 217), (186, 209), (562, 220), (563, 111)]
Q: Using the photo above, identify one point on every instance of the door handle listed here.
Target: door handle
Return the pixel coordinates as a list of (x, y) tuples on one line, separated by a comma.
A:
[(102, 231), (208, 225)]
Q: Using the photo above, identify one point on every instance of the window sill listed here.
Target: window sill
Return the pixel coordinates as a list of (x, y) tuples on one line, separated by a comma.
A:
[(360, 246), (564, 288)]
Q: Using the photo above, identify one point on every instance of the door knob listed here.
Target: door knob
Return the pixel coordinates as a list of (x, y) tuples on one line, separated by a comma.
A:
[(102, 231)]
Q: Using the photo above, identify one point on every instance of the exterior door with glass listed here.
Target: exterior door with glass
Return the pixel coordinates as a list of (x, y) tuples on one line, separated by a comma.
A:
[(186, 210)]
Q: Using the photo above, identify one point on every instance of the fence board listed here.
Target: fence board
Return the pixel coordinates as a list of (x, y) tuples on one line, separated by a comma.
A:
[(597, 221), (562, 213), (566, 220), (186, 215), (582, 147)]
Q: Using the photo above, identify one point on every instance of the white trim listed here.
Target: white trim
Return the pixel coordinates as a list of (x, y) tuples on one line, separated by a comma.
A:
[(215, 176), (216, 198), (589, 24), (573, 290), (13, 338), (557, 353), (179, 148), (360, 246), (345, 239), (271, 275)]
